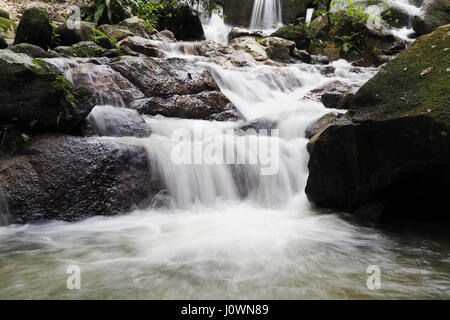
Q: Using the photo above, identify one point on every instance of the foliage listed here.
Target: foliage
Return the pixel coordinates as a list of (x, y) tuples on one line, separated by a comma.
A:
[(100, 36), (109, 9), (7, 25)]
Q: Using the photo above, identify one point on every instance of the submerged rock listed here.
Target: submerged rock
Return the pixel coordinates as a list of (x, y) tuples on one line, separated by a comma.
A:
[(70, 178), (393, 146), (35, 28), (35, 95)]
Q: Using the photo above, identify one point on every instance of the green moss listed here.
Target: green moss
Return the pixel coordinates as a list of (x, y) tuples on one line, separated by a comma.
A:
[(414, 83)]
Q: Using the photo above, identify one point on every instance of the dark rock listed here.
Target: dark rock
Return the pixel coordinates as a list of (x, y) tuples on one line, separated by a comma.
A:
[(393, 146), (320, 59), (291, 10), (301, 55), (70, 178), (396, 17), (33, 94), (29, 49), (433, 14), (84, 49), (327, 70), (70, 36), (238, 12), (35, 28), (142, 45), (279, 49), (12, 138), (115, 122), (182, 21), (212, 105), (329, 93), (135, 26), (3, 43), (4, 14)]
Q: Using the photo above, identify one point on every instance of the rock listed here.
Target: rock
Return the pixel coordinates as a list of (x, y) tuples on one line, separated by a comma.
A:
[(258, 126), (116, 32), (135, 26), (84, 49), (393, 145), (395, 17), (251, 46), (320, 59), (175, 88), (327, 70), (71, 178), (329, 93), (434, 13), (12, 138), (109, 86), (238, 32), (301, 55), (4, 14), (238, 12), (321, 124), (165, 35), (115, 122), (35, 95), (30, 49), (279, 49), (142, 45), (291, 10), (3, 43), (209, 105), (70, 36), (182, 21), (35, 28)]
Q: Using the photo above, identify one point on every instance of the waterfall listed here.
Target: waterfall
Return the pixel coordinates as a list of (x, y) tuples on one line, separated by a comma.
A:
[(309, 13), (266, 14)]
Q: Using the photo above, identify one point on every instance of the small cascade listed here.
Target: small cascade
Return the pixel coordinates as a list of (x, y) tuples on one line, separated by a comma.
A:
[(215, 28), (309, 14), (266, 14)]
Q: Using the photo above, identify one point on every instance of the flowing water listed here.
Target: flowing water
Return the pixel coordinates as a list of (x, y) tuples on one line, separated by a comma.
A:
[(266, 14), (227, 231)]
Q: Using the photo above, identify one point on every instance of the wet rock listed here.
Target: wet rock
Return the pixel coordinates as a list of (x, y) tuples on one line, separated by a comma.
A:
[(433, 14), (393, 144), (321, 124), (205, 105), (4, 14), (301, 55), (329, 93), (258, 126), (115, 122), (33, 94), (395, 17), (251, 46), (141, 45), (327, 70), (109, 86), (70, 178), (320, 59), (164, 35), (238, 32), (29, 49), (70, 36), (35, 28)]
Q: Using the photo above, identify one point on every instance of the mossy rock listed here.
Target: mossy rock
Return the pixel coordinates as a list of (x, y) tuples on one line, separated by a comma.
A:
[(36, 28), (414, 83), (4, 14), (84, 49)]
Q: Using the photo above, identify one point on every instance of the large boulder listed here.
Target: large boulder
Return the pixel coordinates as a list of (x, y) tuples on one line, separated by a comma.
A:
[(393, 146), (279, 49), (175, 88), (35, 27), (238, 12), (69, 178), (434, 13), (30, 50), (35, 95)]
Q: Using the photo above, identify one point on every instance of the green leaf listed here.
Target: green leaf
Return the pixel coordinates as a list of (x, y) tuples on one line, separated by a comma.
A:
[(99, 13)]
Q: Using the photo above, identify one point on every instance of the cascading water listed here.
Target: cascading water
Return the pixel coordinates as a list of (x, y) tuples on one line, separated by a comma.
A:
[(226, 231), (266, 14)]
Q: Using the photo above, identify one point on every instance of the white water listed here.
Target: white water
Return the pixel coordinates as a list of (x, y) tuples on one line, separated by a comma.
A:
[(266, 14), (309, 13), (218, 237)]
